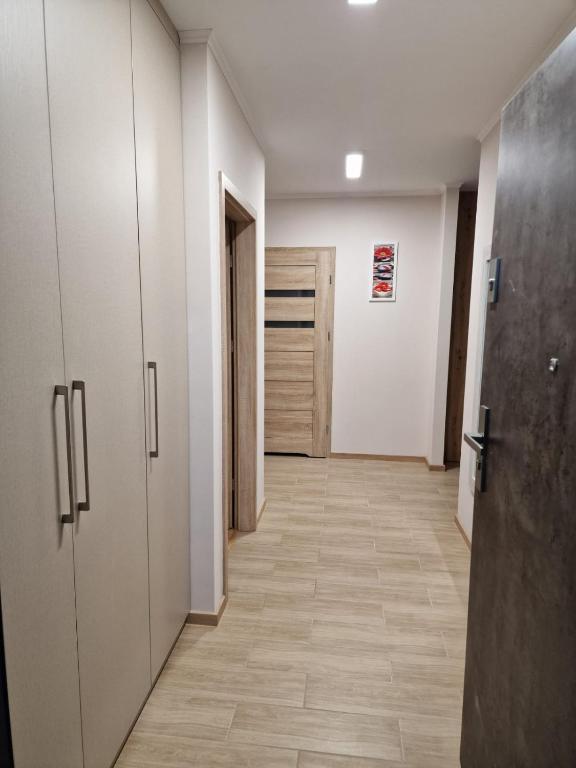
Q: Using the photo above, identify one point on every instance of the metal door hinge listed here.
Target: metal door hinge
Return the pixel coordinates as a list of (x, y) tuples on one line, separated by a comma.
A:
[(329, 337), (327, 429), (330, 279)]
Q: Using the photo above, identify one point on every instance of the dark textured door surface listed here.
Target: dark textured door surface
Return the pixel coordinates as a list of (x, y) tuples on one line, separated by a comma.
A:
[(520, 689)]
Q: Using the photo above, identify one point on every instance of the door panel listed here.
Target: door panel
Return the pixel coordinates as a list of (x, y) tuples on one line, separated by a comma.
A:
[(519, 701), (90, 82), (287, 309), (289, 366), (291, 430), (36, 549), (289, 395), (163, 275), (298, 343), (290, 278), (289, 340)]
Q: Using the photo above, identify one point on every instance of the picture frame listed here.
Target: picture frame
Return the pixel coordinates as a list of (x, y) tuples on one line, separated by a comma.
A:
[(384, 271)]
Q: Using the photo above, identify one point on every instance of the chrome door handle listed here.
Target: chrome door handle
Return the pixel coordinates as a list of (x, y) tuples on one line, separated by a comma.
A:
[(62, 391), (479, 443), (80, 386)]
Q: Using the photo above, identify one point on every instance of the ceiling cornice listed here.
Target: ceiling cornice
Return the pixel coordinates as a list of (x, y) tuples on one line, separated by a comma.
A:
[(558, 37), (430, 192), (208, 38)]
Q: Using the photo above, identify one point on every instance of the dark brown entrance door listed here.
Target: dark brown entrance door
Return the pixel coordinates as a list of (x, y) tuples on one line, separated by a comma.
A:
[(520, 689)]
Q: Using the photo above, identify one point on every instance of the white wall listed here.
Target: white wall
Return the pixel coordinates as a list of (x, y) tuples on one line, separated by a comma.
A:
[(216, 138), (383, 353), (482, 248)]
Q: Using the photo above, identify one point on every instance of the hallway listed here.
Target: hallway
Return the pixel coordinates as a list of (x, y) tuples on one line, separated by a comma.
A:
[(342, 645)]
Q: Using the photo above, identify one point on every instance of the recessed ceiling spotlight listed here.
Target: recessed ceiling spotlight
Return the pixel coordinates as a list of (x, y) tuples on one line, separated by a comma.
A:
[(354, 163), (362, 2)]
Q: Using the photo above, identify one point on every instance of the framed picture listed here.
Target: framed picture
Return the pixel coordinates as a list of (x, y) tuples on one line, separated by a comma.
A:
[(384, 272)]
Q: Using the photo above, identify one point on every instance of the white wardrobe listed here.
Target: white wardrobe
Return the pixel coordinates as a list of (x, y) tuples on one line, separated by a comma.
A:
[(94, 523)]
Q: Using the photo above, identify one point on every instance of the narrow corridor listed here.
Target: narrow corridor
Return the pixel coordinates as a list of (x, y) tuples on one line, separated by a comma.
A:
[(343, 642)]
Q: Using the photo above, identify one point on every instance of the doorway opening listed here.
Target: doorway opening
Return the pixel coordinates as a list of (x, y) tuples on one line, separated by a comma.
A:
[(466, 229), (239, 295)]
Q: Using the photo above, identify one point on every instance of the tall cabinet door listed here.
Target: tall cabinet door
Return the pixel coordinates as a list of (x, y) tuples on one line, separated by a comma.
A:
[(157, 110), (90, 86), (36, 548)]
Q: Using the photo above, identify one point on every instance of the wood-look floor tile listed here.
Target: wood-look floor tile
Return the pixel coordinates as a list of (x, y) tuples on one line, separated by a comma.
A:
[(318, 658), (342, 645), (148, 749), (317, 731), (371, 694), (318, 760)]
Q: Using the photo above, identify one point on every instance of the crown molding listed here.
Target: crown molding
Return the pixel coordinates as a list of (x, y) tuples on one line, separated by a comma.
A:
[(208, 38), (429, 192), (561, 34), (165, 20)]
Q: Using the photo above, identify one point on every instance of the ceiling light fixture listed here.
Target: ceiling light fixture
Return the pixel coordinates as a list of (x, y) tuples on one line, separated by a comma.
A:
[(354, 163), (362, 2)]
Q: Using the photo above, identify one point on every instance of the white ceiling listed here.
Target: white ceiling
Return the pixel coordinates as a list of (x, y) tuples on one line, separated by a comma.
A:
[(411, 83)]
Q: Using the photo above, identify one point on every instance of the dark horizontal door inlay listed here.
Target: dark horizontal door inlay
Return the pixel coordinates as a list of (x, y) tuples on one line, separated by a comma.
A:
[(289, 324), (293, 293)]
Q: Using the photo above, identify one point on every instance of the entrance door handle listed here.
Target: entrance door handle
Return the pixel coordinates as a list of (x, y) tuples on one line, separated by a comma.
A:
[(479, 443)]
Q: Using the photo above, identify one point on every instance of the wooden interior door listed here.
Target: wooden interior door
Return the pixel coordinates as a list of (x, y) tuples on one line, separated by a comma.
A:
[(36, 547), (90, 85), (519, 697), (459, 328), (158, 132), (298, 350)]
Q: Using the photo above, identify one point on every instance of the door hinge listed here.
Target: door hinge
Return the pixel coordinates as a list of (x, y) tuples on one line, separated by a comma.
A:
[(327, 429), (329, 337), (330, 279)]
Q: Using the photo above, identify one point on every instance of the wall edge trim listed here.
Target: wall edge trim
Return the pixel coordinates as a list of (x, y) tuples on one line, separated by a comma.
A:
[(208, 618)]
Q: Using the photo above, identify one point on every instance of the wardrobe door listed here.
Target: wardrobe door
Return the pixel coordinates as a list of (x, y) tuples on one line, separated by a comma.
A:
[(90, 86), (157, 111), (36, 547)]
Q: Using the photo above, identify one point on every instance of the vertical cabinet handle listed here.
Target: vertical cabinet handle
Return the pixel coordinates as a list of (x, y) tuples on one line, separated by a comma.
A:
[(80, 386), (153, 367), (62, 391)]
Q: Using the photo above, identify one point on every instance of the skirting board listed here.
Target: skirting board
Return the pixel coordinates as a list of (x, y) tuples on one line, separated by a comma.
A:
[(463, 532), (435, 467), (376, 457), (261, 511), (207, 619)]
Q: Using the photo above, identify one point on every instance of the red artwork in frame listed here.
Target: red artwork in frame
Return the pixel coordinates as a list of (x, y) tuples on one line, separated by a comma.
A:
[(384, 272)]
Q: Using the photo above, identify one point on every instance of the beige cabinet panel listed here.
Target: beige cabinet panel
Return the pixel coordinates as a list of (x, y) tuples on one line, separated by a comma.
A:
[(290, 278), (36, 557), (289, 395), (90, 84), (289, 366), (283, 308), (159, 170), (289, 340)]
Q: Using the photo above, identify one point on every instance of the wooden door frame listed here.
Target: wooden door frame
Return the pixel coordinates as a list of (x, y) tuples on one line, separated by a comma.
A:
[(233, 206), (324, 259)]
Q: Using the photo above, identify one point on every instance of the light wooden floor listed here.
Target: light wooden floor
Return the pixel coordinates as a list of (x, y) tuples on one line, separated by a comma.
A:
[(343, 642)]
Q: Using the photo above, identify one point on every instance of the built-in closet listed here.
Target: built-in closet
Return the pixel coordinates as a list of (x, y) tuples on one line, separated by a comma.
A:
[(94, 532)]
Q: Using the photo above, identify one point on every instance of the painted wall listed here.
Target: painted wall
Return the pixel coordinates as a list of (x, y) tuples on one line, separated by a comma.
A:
[(482, 249), (384, 354), (216, 138)]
